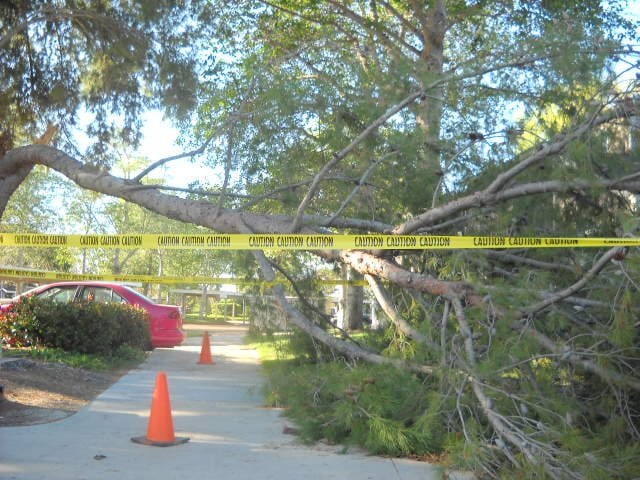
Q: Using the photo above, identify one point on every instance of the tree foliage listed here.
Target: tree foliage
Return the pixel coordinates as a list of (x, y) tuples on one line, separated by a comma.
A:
[(35, 207), (106, 59), (397, 117)]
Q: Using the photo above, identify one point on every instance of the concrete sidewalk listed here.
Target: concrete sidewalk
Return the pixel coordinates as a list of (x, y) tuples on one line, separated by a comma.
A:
[(218, 406)]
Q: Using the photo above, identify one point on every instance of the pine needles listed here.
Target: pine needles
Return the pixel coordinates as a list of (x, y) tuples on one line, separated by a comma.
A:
[(379, 408)]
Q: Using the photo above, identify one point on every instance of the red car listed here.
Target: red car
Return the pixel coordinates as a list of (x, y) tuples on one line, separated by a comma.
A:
[(165, 321)]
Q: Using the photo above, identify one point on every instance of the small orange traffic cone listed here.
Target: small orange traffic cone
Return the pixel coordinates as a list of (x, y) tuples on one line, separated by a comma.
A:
[(205, 351), (160, 430)]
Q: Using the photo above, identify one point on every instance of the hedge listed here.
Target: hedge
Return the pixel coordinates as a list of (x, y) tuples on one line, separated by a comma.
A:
[(82, 327)]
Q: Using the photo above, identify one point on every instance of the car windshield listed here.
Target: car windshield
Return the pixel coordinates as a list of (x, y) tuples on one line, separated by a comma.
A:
[(28, 292)]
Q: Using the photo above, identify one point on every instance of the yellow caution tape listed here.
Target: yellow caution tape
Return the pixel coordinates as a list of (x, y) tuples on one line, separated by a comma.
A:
[(29, 274), (302, 241)]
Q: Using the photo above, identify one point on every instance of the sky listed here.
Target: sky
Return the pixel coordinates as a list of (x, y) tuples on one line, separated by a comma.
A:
[(160, 141)]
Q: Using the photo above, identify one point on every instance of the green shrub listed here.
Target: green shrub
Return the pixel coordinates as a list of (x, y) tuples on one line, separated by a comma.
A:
[(93, 328)]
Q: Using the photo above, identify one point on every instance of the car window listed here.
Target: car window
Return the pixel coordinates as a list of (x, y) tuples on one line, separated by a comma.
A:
[(59, 294), (137, 294), (101, 294), (115, 297)]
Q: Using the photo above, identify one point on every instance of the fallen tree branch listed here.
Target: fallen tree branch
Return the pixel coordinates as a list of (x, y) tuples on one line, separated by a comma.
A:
[(205, 214), (326, 319), (567, 354), (565, 351), (495, 192), (535, 452), (298, 319), (369, 264), (387, 306)]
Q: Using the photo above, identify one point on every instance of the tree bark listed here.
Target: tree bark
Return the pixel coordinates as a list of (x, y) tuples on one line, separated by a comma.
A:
[(353, 297)]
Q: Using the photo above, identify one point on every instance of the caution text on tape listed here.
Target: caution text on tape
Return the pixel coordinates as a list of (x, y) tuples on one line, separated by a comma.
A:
[(302, 241)]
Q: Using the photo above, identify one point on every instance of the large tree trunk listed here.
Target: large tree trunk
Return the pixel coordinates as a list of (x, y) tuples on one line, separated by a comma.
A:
[(10, 180), (353, 300), (429, 111)]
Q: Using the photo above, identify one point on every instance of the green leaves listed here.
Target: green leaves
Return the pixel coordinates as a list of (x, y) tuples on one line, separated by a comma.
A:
[(624, 329), (89, 328)]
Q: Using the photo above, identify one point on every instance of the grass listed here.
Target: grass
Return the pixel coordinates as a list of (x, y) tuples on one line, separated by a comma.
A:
[(271, 346), (124, 357), (269, 351), (210, 319)]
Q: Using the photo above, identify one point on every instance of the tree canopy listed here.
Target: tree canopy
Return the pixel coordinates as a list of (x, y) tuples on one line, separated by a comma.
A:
[(108, 59), (494, 117)]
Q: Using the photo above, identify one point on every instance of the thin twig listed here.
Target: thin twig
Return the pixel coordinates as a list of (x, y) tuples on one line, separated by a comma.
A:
[(359, 185)]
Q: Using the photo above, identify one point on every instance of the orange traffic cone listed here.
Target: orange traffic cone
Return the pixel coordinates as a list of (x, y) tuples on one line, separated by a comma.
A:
[(160, 430), (205, 351)]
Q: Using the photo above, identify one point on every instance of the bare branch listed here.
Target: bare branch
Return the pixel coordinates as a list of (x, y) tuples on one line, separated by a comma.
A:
[(221, 130), (602, 262), (483, 198), (193, 153), (557, 146), (337, 157), (511, 258)]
